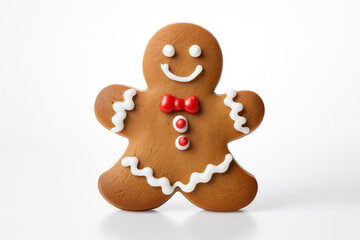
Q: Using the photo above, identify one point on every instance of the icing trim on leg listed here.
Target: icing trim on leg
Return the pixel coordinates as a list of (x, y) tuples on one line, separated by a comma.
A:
[(164, 182), (120, 107), (234, 113)]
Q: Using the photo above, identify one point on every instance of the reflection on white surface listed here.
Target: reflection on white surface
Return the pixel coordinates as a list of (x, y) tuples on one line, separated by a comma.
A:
[(212, 225), (200, 225)]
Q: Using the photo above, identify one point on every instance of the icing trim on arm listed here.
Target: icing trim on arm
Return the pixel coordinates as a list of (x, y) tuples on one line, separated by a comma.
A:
[(234, 113), (164, 182), (120, 107)]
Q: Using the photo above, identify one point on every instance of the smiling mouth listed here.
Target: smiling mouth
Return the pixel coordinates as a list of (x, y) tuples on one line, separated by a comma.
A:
[(165, 69)]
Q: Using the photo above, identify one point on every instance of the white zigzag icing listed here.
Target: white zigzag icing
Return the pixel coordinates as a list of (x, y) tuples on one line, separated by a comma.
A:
[(234, 113), (120, 107), (164, 182)]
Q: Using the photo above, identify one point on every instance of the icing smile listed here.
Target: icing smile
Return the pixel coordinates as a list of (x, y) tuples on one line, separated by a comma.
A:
[(166, 71)]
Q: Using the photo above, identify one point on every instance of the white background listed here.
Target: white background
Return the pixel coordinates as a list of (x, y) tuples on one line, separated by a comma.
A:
[(301, 57)]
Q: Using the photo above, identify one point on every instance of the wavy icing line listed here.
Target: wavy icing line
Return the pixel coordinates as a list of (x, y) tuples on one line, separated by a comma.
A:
[(234, 113), (120, 107), (164, 182)]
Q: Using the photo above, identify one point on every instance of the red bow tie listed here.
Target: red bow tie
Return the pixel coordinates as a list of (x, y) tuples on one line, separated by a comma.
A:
[(169, 103)]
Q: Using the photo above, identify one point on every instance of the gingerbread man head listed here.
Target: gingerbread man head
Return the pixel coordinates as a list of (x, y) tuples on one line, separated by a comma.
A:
[(178, 128), (192, 61)]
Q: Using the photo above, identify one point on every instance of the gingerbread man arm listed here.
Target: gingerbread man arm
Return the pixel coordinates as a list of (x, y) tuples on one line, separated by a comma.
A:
[(112, 106), (244, 112)]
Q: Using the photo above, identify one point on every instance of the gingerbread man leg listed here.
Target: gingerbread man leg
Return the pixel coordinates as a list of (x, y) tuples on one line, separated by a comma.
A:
[(225, 192), (128, 192)]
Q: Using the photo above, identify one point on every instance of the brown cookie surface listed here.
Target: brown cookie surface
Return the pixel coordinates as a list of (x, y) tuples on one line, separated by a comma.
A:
[(184, 61)]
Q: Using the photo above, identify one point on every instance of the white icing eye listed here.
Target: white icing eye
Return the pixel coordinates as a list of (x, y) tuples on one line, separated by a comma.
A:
[(195, 51), (168, 51)]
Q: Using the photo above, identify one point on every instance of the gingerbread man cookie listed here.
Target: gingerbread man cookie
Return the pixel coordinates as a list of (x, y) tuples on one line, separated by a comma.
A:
[(178, 128)]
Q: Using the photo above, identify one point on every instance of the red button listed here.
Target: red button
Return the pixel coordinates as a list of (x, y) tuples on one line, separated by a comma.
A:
[(180, 123), (183, 141)]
